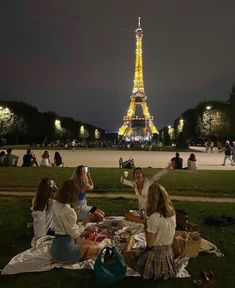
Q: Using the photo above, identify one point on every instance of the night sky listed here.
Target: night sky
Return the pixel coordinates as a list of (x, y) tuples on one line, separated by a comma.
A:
[(76, 58)]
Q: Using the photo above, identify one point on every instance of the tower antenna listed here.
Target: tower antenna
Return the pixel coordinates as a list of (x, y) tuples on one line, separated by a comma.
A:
[(138, 22)]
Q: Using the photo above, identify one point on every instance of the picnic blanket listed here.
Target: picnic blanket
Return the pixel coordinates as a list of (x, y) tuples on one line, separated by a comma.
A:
[(38, 258)]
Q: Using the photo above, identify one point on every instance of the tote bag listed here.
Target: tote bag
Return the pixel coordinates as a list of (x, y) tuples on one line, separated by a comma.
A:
[(110, 266)]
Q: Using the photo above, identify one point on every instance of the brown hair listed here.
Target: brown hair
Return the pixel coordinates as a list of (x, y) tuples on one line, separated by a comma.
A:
[(45, 154), (67, 192), (136, 169), (43, 194), (159, 201)]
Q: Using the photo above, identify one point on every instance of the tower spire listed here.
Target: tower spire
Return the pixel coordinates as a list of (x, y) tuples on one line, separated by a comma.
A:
[(138, 78), (138, 22)]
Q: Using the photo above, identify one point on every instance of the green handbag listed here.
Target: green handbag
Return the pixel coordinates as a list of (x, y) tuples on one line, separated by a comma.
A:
[(110, 266)]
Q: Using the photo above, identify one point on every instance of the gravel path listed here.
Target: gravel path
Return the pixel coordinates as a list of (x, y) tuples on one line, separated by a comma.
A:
[(155, 159), (132, 196)]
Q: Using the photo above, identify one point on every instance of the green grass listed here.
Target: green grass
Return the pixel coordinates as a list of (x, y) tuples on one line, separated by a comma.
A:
[(15, 238), (177, 182)]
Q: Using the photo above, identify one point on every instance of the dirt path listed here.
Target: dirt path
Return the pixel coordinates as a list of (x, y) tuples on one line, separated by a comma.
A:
[(132, 196)]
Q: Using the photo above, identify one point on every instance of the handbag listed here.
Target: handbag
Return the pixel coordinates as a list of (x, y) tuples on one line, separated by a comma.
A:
[(186, 244), (110, 266)]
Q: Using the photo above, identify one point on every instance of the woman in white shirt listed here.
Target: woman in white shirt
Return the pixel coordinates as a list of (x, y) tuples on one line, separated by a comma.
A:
[(141, 183), (67, 246), (192, 162), (157, 260), (45, 162), (42, 209)]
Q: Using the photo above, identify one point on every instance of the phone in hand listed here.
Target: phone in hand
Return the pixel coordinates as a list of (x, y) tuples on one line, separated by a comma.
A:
[(93, 209), (85, 169), (142, 213)]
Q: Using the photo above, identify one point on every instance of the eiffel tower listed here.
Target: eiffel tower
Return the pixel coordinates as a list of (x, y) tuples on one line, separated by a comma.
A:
[(138, 124)]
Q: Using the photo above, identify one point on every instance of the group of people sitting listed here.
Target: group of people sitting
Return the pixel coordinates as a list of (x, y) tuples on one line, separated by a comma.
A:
[(65, 212), (177, 162), (29, 159)]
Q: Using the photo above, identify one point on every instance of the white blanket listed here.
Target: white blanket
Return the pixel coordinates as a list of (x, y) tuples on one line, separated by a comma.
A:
[(38, 258)]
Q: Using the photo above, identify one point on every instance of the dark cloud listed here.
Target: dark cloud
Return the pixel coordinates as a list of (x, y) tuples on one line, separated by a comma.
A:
[(77, 57)]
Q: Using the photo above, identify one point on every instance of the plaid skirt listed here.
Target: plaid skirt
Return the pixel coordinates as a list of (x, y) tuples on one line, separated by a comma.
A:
[(156, 263)]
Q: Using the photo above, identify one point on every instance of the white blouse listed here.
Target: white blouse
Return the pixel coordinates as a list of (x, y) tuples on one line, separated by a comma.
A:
[(164, 228), (142, 198), (42, 220), (45, 162), (65, 220), (192, 165)]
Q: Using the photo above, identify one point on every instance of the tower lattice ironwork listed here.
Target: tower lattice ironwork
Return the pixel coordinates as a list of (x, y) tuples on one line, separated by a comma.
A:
[(138, 123)]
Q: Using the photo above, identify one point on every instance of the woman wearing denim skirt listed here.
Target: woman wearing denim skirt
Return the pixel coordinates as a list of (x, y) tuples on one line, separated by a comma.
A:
[(67, 246)]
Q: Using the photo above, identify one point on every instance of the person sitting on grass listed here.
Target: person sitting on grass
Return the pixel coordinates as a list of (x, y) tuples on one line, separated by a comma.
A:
[(82, 180), (45, 162), (128, 164), (29, 159), (177, 161), (67, 245), (192, 162), (58, 160), (42, 209), (2, 154), (156, 261), (10, 160)]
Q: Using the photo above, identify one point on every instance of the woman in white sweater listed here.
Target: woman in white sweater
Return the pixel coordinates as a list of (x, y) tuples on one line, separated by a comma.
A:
[(67, 246), (42, 209)]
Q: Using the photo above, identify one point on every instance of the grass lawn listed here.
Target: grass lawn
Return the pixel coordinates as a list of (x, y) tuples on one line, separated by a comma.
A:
[(177, 182), (15, 237)]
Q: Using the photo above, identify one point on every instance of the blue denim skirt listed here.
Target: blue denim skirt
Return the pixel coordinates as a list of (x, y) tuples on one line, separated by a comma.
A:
[(64, 249)]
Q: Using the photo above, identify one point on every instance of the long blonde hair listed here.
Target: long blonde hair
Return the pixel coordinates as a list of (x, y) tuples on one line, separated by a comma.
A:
[(159, 201)]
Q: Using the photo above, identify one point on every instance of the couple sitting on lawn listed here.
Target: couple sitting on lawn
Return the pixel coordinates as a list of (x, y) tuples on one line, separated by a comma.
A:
[(68, 245)]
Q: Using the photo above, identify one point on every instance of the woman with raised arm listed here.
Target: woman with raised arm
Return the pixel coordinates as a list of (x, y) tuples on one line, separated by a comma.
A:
[(157, 260), (83, 183), (141, 183)]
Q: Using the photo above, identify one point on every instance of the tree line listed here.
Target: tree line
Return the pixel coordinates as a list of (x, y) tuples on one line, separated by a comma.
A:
[(208, 121), (22, 123)]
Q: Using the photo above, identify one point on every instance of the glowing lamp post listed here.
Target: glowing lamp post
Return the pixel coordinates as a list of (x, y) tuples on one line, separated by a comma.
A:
[(208, 108)]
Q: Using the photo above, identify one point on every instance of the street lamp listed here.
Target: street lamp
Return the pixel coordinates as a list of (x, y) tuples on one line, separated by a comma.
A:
[(208, 108)]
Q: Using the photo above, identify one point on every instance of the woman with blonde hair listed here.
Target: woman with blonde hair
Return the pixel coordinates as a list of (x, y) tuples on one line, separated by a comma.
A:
[(157, 260), (45, 162), (83, 182)]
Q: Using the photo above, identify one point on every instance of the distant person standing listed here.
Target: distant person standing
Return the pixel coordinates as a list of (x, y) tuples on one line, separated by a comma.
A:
[(177, 161), (228, 153), (211, 146), (73, 144)]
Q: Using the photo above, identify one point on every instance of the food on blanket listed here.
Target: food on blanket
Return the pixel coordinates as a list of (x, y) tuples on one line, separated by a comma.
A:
[(95, 236)]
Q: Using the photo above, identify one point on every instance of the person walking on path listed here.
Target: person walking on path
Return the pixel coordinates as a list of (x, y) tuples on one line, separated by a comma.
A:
[(228, 153)]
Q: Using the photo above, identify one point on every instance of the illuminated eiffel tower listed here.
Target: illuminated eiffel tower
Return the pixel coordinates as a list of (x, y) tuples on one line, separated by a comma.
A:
[(138, 125)]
